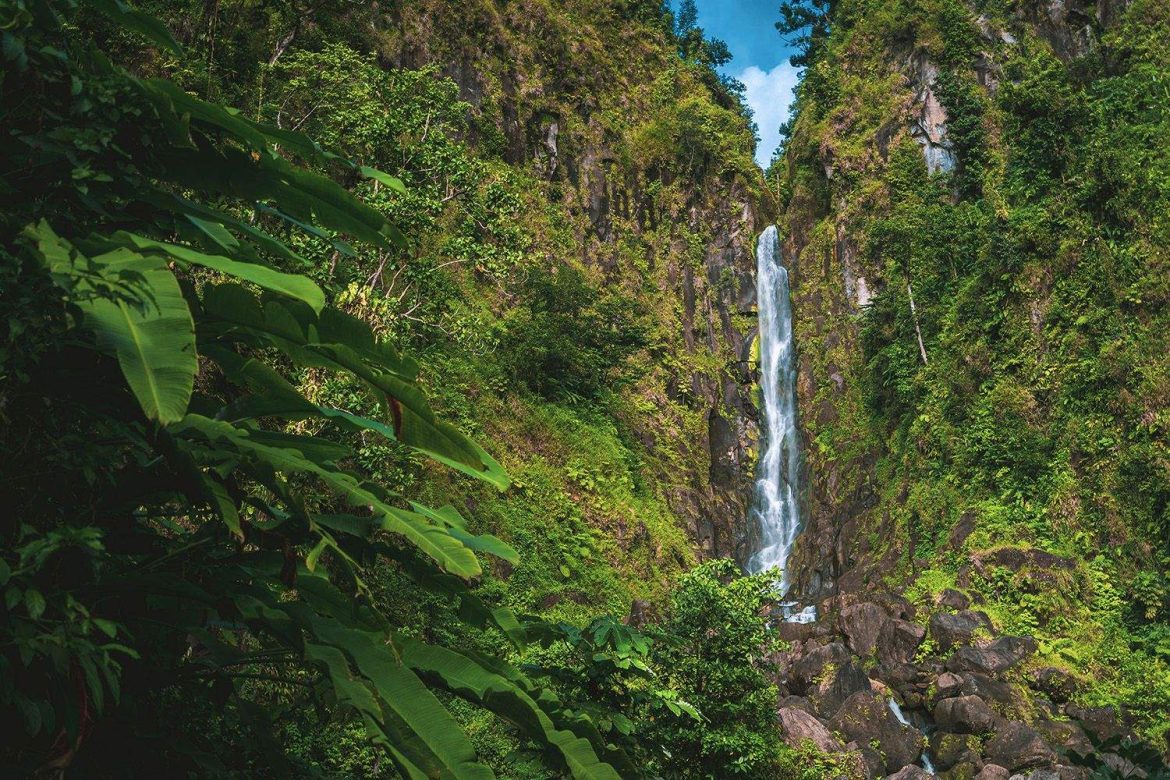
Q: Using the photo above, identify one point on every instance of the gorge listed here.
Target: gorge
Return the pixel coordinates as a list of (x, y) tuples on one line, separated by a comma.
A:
[(431, 389)]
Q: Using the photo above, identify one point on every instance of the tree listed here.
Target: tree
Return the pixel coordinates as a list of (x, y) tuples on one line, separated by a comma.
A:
[(688, 18), (712, 649), (710, 54), (809, 21)]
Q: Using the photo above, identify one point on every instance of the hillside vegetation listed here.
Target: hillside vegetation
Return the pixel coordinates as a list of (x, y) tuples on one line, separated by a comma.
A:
[(378, 392), (266, 269), (976, 200)]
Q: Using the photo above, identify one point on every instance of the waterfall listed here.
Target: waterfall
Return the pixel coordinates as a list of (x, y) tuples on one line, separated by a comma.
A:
[(776, 503), (924, 759)]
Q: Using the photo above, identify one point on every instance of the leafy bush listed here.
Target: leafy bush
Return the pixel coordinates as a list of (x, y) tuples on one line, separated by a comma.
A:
[(712, 648), (569, 340)]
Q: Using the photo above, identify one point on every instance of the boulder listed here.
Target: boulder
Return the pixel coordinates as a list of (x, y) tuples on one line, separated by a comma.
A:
[(807, 672), (913, 699), (898, 641), (988, 688), (796, 702), (800, 632), (900, 675), (641, 613), (996, 657), (836, 684), (953, 599), (1015, 558), (911, 772), (965, 715), (993, 772), (962, 530), (965, 770), (1016, 746), (948, 750), (1055, 683), (959, 629), (870, 762), (1066, 734), (946, 685), (860, 623), (799, 726), (1101, 722), (865, 717)]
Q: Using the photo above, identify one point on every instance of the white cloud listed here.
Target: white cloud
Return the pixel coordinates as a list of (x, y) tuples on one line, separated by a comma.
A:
[(769, 93)]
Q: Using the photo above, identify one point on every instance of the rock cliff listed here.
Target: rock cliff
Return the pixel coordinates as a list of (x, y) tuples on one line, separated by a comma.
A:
[(661, 200), (950, 224)]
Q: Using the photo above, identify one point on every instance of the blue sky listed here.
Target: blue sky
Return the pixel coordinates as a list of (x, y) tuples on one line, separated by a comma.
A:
[(761, 60)]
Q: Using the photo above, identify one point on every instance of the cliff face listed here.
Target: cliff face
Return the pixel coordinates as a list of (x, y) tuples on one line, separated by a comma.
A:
[(972, 206), (662, 203), (582, 205)]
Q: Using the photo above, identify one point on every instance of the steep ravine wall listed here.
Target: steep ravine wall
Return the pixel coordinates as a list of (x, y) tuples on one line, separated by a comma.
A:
[(831, 203), (570, 110), (970, 204)]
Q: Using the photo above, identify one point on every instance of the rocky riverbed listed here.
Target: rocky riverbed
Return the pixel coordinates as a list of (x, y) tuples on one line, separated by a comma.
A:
[(910, 695)]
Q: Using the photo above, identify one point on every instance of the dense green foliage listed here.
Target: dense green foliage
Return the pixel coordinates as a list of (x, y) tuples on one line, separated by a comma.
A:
[(234, 568), (1034, 415), (190, 542), (716, 658)]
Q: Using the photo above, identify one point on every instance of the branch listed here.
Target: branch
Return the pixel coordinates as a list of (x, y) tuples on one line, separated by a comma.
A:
[(917, 328)]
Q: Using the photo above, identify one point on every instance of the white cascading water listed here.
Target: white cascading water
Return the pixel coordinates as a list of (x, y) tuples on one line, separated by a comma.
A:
[(776, 503), (925, 757)]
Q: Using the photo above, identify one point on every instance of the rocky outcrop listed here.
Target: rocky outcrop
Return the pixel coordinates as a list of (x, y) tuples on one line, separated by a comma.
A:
[(950, 630), (799, 726), (993, 658), (965, 715), (963, 689), (866, 718), (898, 641), (861, 624), (949, 750), (1017, 746), (929, 127)]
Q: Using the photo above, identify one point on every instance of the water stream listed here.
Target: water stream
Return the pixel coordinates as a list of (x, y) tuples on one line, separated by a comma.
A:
[(924, 759), (776, 503)]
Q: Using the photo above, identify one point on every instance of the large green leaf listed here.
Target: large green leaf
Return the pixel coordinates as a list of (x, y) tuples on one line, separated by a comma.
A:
[(143, 24), (306, 196), (293, 285), (235, 313), (136, 310), (353, 646), (403, 694), (274, 396), (204, 217), (467, 678), (457, 527), (393, 182), (434, 541)]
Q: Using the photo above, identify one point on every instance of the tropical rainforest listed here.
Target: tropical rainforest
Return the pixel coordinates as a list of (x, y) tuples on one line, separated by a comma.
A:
[(381, 392)]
